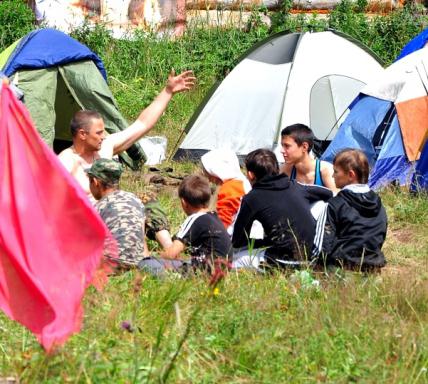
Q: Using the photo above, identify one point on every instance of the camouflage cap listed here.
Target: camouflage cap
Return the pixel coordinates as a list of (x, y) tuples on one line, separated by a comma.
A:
[(106, 170)]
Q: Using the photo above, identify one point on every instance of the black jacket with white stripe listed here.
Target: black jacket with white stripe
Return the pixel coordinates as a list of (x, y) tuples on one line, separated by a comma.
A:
[(355, 228)]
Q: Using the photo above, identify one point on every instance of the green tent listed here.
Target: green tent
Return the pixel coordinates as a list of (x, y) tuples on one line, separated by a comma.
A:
[(60, 76)]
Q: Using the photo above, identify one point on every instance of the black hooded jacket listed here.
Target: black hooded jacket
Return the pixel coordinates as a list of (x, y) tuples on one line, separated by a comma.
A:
[(355, 230), (283, 208)]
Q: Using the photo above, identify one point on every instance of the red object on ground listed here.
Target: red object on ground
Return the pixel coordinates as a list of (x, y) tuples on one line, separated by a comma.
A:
[(51, 239)]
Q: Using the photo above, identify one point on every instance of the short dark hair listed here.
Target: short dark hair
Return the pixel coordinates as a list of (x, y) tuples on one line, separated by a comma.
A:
[(300, 133), (195, 190), (262, 162), (82, 120), (355, 160), (104, 184)]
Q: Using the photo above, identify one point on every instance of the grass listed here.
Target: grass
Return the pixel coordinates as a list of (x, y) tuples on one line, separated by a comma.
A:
[(252, 328)]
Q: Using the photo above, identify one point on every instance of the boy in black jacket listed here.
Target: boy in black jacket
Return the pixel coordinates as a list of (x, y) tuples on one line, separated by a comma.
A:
[(281, 206), (356, 223)]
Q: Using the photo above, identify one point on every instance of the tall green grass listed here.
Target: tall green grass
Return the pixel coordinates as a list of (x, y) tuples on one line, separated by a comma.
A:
[(255, 329)]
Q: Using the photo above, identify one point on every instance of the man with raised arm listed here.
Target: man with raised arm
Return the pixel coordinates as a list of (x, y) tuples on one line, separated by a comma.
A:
[(89, 138)]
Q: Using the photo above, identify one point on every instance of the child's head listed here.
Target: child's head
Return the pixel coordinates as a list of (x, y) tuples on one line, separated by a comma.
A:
[(212, 178), (296, 140), (261, 163), (194, 192), (220, 165), (350, 167)]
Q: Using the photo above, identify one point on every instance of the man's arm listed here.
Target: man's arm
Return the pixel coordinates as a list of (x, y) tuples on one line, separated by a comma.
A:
[(314, 193), (121, 141), (174, 251)]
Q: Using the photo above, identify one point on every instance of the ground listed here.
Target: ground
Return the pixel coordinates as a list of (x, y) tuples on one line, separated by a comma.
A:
[(250, 328)]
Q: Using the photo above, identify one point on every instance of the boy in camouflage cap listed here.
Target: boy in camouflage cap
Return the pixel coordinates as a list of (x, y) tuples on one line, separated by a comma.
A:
[(122, 211), (125, 214), (106, 170)]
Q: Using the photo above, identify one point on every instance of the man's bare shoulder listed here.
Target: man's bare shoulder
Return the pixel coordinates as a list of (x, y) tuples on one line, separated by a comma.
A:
[(66, 153), (286, 168), (67, 158), (326, 169), (325, 165), (327, 175)]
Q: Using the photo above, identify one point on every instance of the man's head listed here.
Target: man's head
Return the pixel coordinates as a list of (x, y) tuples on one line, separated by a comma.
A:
[(261, 163), (297, 141), (104, 175), (88, 128), (194, 192)]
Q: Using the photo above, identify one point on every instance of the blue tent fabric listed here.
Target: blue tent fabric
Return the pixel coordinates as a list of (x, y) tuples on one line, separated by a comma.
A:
[(392, 163), (359, 127), (420, 178), (359, 130), (413, 45), (45, 48)]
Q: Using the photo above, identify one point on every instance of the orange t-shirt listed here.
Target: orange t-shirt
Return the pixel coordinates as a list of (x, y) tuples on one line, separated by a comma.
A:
[(229, 199)]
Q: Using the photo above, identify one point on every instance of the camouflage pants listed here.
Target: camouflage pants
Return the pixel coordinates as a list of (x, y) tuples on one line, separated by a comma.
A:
[(156, 219)]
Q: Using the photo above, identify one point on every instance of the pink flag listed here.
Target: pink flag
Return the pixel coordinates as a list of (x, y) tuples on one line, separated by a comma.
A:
[(51, 239)]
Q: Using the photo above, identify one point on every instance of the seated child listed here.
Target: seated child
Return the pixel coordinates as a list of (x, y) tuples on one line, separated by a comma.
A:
[(222, 168), (282, 207), (356, 222), (297, 141), (122, 212), (202, 233)]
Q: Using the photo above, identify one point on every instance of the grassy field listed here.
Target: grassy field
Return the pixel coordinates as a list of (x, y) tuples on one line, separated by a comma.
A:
[(251, 328)]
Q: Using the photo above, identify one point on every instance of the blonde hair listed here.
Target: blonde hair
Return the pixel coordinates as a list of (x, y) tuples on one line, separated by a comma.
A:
[(355, 160)]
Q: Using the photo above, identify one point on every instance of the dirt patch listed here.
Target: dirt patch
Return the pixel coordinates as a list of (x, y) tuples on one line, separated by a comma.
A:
[(395, 269), (403, 235), (162, 182)]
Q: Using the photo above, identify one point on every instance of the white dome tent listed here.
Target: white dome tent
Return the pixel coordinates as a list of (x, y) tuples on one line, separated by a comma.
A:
[(308, 78)]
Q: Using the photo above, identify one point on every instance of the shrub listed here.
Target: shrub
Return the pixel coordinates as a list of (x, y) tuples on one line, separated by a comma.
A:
[(16, 20)]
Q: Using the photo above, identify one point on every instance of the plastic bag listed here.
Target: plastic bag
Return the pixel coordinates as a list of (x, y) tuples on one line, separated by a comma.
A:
[(155, 149)]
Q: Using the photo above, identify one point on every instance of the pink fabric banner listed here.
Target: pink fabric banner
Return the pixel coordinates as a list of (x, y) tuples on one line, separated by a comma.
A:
[(51, 239)]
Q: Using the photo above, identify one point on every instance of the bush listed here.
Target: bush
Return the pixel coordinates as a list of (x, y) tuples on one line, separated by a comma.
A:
[(385, 34), (16, 20)]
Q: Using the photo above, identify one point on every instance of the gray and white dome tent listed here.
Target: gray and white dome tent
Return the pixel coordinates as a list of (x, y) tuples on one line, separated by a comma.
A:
[(308, 77)]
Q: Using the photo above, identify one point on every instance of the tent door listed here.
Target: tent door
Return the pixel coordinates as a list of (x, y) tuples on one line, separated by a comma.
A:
[(382, 130), (66, 105)]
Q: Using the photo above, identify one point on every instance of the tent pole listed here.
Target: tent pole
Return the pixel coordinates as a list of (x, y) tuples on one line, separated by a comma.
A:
[(176, 144)]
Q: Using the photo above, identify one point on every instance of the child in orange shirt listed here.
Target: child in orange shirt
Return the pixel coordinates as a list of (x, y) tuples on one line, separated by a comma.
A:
[(222, 167)]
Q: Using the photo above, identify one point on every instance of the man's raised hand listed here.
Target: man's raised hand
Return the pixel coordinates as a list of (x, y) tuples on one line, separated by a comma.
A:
[(180, 83)]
